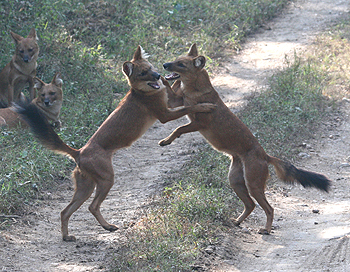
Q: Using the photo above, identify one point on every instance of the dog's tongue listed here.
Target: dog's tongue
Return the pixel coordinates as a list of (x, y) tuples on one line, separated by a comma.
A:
[(154, 85), (172, 76)]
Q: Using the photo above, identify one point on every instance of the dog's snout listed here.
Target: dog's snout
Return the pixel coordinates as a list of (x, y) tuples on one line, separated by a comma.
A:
[(166, 65), (47, 102), (155, 75), (26, 59)]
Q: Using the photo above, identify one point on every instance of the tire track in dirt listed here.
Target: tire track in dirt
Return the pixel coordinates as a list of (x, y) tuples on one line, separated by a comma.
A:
[(34, 243)]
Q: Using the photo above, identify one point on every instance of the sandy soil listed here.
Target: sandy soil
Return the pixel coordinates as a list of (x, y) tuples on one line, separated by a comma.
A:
[(303, 239)]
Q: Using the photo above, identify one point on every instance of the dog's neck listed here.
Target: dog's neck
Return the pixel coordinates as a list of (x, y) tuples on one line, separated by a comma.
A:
[(27, 68), (51, 112), (201, 83)]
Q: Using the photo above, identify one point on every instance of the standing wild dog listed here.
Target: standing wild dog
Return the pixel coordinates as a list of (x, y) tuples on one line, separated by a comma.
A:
[(20, 70), (141, 107), (49, 101), (226, 133)]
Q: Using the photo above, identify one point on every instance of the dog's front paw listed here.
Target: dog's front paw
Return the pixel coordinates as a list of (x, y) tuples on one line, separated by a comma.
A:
[(164, 142)]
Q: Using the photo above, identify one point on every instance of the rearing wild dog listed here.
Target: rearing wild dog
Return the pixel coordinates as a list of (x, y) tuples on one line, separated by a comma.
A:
[(225, 132), (145, 102)]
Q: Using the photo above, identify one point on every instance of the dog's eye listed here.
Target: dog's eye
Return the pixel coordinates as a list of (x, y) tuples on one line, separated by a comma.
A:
[(52, 93), (42, 95), (180, 64), (21, 51), (30, 49), (143, 73)]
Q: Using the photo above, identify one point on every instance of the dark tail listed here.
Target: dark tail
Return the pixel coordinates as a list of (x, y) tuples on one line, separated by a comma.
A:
[(43, 131), (289, 173)]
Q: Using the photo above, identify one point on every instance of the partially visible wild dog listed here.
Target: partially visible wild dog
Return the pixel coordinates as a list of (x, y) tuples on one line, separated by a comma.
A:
[(49, 101), (226, 133), (20, 70), (50, 98), (145, 102)]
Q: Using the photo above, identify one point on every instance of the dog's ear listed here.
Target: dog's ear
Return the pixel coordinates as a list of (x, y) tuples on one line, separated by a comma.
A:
[(127, 68), (32, 34), (38, 84), (138, 53), (199, 62), (57, 80), (17, 38), (193, 51)]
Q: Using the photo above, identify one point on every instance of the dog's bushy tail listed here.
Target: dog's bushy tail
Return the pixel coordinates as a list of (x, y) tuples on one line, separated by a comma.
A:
[(43, 131), (289, 173)]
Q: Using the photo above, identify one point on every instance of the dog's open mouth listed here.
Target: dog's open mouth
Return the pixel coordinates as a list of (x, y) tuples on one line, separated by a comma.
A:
[(154, 85), (172, 76)]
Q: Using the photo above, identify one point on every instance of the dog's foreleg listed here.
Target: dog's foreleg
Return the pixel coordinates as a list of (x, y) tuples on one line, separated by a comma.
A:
[(172, 114), (190, 127), (10, 95), (31, 89)]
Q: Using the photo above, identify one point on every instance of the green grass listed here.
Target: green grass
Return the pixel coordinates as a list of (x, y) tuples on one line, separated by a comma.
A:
[(290, 109)]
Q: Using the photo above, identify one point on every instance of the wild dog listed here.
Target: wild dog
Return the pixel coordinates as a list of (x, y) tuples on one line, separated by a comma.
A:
[(50, 98), (145, 102), (49, 101), (20, 70), (227, 133)]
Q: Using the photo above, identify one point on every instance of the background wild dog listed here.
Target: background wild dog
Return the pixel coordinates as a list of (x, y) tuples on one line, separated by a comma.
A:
[(145, 102), (226, 133), (50, 98), (49, 101), (20, 70)]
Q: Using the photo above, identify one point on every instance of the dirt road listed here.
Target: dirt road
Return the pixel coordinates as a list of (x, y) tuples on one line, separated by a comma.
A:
[(302, 241)]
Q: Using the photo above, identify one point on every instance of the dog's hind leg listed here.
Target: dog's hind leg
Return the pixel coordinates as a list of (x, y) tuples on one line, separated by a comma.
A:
[(84, 186), (237, 182), (102, 188), (256, 173)]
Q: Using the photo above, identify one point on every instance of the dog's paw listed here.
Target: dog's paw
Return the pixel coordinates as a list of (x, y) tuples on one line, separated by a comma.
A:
[(264, 231), (164, 142), (69, 238), (111, 227), (235, 222)]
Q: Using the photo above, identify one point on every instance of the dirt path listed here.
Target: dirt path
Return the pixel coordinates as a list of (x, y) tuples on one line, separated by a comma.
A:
[(302, 241)]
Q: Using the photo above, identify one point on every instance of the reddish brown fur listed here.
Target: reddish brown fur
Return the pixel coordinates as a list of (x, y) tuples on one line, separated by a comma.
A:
[(20, 70), (226, 133), (49, 101), (141, 107)]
